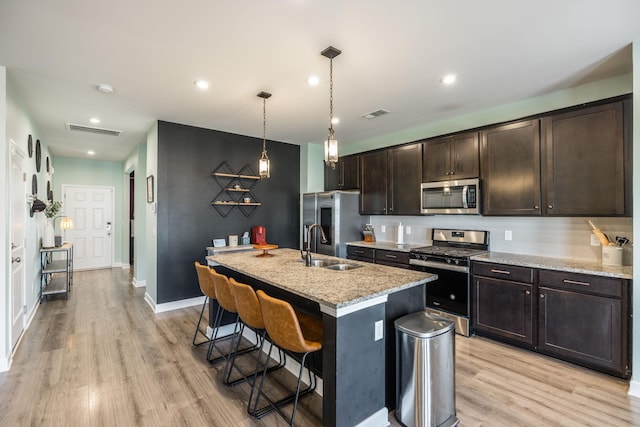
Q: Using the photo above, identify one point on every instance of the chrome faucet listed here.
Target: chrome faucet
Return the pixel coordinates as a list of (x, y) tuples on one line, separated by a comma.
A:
[(323, 237)]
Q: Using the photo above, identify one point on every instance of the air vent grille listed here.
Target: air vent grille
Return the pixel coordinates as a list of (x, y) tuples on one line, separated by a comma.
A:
[(91, 129), (376, 113)]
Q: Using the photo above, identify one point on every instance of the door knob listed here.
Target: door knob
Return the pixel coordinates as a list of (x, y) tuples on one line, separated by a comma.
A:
[(16, 259)]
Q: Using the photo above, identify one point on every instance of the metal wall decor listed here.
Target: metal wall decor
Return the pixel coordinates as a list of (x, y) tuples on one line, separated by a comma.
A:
[(38, 155), (47, 164), (30, 146), (34, 185)]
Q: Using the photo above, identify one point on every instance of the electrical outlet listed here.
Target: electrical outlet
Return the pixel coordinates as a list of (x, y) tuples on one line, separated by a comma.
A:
[(508, 235), (383, 229), (594, 240), (407, 229), (379, 330)]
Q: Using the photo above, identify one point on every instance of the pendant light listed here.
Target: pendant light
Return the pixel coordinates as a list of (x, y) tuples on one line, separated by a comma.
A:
[(331, 144), (263, 166)]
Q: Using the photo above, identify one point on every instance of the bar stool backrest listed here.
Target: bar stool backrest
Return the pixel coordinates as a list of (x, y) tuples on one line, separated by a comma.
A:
[(223, 292), (283, 326), (205, 280), (247, 304)]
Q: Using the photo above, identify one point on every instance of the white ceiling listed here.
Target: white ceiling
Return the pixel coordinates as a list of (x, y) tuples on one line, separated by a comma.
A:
[(394, 53)]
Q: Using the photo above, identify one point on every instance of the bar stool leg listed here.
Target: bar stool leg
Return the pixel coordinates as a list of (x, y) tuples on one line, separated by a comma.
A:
[(198, 330)]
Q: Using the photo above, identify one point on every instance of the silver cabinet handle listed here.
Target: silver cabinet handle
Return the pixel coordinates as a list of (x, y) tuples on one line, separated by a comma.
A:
[(527, 292), (391, 256), (541, 295), (550, 206), (16, 259), (536, 207), (575, 282), (358, 252), (500, 271)]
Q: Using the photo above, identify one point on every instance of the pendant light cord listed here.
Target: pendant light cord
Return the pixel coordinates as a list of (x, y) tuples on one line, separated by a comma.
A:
[(264, 127), (331, 97)]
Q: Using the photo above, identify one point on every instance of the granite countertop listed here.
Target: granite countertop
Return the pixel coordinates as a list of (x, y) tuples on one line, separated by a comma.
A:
[(390, 246), (330, 288), (560, 264)]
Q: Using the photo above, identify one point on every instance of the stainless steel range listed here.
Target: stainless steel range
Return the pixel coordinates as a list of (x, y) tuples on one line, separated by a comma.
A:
[(448, 257)]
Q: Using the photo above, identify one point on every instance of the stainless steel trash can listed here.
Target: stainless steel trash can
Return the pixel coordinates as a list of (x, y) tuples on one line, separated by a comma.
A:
[(425, 371)]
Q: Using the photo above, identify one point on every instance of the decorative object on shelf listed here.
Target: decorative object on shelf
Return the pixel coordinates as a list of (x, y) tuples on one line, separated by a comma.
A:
[(265, 250), (66, 223), (150, 189), (30, 146), (331, 144), (235, 189), (50, 211), (38, 155), (263, 168)]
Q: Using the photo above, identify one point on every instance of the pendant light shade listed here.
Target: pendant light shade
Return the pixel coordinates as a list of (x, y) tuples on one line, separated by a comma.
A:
[(264, 166), (331, 144)]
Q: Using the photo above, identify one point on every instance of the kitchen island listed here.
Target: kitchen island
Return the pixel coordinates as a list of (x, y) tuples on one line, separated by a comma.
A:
[(358, 358)]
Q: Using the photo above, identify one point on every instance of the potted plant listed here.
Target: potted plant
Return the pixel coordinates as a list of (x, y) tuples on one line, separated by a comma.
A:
[(50, 211)]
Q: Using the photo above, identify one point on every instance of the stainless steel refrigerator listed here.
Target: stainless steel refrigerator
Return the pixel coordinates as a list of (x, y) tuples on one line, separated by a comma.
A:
[(337, 214)]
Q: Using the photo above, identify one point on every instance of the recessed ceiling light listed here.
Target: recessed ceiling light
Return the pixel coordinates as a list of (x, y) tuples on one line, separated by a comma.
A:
[(335, 120), (91, 152), (449, 79), (94, 120), (202, 84), (313, 80), (105, 88)]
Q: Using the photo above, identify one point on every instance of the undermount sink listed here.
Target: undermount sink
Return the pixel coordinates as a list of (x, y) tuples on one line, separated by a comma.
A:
[(321, 262), (342, 266)]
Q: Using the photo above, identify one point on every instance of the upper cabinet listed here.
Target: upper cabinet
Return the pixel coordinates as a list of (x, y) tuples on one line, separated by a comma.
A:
[(511, 169), (390, 181), (584, 162), (574, 163), (345, 176), (451, 157)]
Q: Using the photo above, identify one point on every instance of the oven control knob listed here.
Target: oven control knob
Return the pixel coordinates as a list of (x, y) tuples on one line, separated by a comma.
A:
[(452, 297), (424, 257), (448, 260), (457, 261)]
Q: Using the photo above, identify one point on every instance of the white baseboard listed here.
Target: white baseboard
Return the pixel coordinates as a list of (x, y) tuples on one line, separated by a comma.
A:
[(150, 301), (125, 266), (378, 419), (139, 283), (634, 388), (5, 363), (116, 264), (177, 305)]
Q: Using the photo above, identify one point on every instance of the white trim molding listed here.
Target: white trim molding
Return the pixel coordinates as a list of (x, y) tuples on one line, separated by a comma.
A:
[(177, 305), (634, 388), (138, 283)]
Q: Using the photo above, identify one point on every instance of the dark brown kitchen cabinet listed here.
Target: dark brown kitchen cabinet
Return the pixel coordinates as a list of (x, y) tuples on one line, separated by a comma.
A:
[(503, 307), (510, 169), (373, 183), (360, 253), (583, 162), (344, 176), (450, 158), (580, 318), (390, 181), (392, 258)]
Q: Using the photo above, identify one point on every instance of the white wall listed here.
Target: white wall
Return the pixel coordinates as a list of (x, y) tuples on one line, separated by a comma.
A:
[(5, 265), (137, 161), (151, 226), (635, 379)]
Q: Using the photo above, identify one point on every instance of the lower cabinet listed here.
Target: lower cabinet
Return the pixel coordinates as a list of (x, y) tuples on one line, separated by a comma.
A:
[(398, 259), (578, 318)]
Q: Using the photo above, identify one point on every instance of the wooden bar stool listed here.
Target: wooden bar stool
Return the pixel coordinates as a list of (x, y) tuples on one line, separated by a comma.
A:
[(293, 332), (207, 286), (224, 296), (250, 313)]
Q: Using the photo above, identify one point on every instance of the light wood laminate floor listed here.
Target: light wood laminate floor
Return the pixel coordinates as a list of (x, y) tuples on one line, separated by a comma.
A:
[(103, 358)]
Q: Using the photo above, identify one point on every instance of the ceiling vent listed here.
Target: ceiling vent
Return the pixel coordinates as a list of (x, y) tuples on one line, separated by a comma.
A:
[(376, 113), (92, 129)]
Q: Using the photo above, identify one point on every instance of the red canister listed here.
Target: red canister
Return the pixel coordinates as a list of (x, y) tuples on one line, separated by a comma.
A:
[(259, 235)]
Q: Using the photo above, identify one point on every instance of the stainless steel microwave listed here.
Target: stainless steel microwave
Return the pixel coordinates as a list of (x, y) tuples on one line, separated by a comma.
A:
[(450, 197)]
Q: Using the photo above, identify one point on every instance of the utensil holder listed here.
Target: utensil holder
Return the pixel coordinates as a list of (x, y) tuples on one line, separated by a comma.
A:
[(612, 255)]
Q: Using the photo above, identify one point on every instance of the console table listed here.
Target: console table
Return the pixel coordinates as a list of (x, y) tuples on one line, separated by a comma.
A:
[(57, 270)]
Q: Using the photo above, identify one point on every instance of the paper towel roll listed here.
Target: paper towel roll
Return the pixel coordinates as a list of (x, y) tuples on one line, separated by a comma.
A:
[(400, 240)]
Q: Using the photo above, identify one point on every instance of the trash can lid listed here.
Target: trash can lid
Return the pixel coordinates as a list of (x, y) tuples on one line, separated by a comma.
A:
[(423, 324)]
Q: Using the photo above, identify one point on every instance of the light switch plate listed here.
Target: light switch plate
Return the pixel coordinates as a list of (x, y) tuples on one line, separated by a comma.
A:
[(407, 229), (379, 330), (383, 228), (594, 240), (508, 235)]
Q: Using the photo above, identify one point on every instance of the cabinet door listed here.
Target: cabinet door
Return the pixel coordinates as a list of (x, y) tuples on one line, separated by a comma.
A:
[(405, 177), (582, 328), (511, 169), (350, 173), (583, 162), (436, 161), (373, 183), (503, 309), (465, 156), (332, 177)]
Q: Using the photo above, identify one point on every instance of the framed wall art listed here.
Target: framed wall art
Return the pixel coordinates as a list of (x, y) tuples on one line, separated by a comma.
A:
[(150, 189)]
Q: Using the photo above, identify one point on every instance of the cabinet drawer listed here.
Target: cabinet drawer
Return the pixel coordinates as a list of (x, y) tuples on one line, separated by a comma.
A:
[(392, 256), (392, 264), (360, 252), (502, 271), (582, 283)]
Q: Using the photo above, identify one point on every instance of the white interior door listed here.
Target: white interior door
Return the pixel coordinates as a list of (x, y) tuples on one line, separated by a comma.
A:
[(91, 209), (18, 212)]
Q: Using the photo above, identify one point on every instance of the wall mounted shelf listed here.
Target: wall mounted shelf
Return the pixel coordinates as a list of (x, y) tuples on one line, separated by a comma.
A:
[(234, 188)]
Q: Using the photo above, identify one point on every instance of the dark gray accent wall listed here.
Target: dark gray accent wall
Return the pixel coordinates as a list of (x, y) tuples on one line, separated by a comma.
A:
[(187, 222)]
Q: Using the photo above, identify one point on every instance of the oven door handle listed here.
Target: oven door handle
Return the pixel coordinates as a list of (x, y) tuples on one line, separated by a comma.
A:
[(439, 265)]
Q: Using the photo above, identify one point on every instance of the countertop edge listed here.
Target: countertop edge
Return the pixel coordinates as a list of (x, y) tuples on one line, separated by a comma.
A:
[(558, 264)]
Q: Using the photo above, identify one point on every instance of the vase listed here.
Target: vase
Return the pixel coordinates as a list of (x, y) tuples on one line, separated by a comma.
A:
[(48, 240)]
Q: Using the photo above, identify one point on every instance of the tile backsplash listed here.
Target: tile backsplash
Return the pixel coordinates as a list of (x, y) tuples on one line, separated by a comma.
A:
[(553, 237)]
